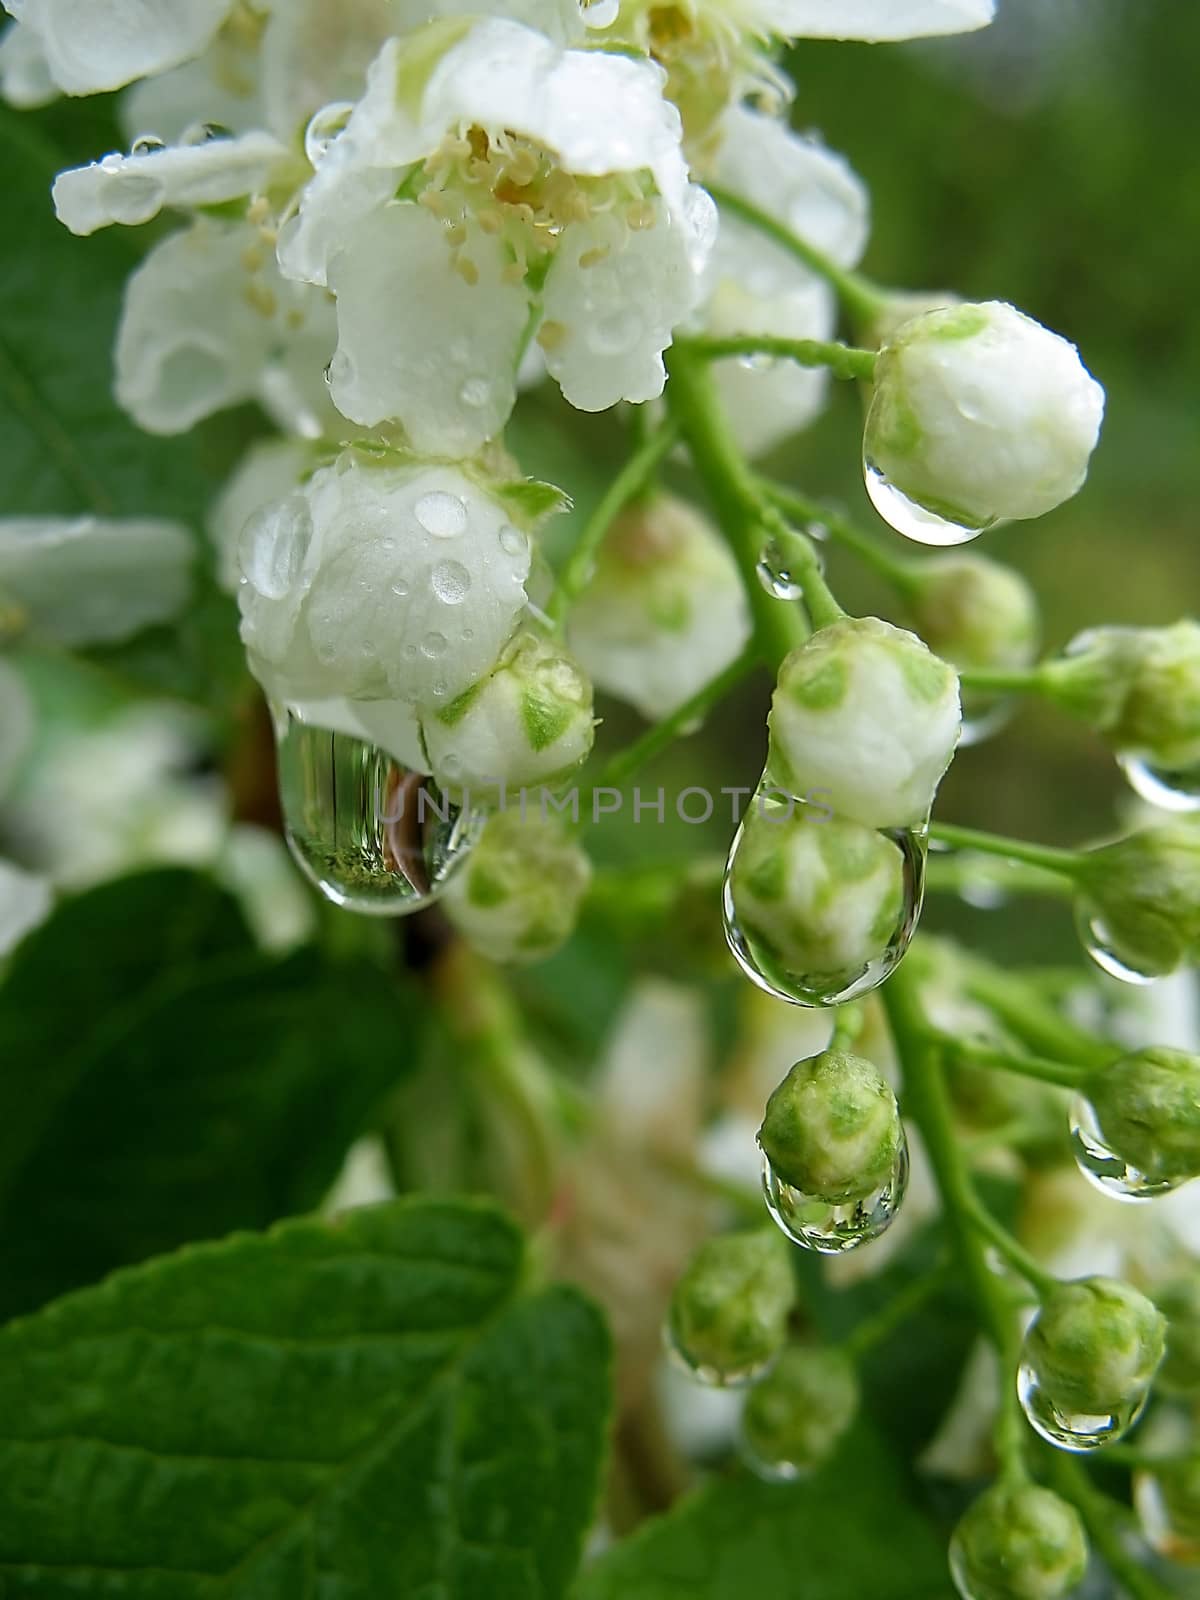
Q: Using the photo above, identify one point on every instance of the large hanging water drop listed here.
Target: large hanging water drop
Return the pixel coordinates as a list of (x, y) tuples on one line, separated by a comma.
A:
[(1105, 950), (707, 1373), (818, 910), (372, 835), (829, 1229), (1076, 1431), (914, 521), (1102, 1166), (1169, 790)]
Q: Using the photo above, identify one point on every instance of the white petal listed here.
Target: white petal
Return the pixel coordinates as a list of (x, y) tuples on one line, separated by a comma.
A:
[(16, 723), (103, 44), (444, 360), (88, 580), (132, 189), (607, 324), (767, 401), (268, 471), (874, 20), (25, 901), (220, 87), (314, 53), (204, 315), (25, 80)]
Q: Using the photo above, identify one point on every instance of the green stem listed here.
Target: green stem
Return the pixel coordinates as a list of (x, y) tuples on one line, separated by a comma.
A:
[(1014, 680), (691, 396), (901, 574), (1067, 863), (843, 360), (1102, 1517), (872, 1331), (947, 874), (626, 486), (1032, 1019), (848, 1023), (1064, 1075), (862, 299), (656, 739), (1015, 1254)]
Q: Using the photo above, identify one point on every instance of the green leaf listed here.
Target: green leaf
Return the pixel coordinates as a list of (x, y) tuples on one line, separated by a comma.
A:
[(530, 502), (165, 1080), (376, 1408), (848, 1534)]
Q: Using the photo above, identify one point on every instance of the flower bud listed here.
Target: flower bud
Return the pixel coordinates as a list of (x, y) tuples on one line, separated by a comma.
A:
[(518, 896), (1139, 898), (981, 414), (664, 611), (730, 1309), (530, 722), (867, 717), (832, 1128), (1179, 1301), (816, 900), (1147, 1112), (1094, 1347), (1018, 1542), (796, 1415), (974, 612), (1139, 687)]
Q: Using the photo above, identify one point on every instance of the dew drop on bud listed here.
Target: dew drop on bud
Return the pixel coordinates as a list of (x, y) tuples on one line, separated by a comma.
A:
[(372, 835), (984, 717), (1103, 950), (775, 574), (451, 582), (909, 518), (601, 13), (1074, 1431), (324, 128), (1102, 1166), (147, 144), (475, 392), (1170, 791), (831, 1230), (712, 1377), (204, 133), (442, 515)]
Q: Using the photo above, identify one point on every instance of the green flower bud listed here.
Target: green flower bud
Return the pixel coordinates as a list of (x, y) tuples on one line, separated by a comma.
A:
[(1140, 897), (795, 1416), (1139, 687), (1147, 1108), (868, 717), (730, 1310), (1179, 1301), (528, 723), (974, 612), (1094, 1347), (816, 899), (1018, 1542), (518, 896), (832, 1128)]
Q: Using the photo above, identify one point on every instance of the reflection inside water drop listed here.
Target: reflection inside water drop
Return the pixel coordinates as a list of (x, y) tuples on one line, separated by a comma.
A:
[(372, 835), (911, 519), (712, 1377), (833, 1229), (1102, 1166), (1169, 790), (775, 575), (1066, 1430), (1104, 949)]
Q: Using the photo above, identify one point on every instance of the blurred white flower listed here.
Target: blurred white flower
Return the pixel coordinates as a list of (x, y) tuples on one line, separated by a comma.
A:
[(269, 471), (26, 900), (16, 724), (871, 20), (25, 80), (92, 45)]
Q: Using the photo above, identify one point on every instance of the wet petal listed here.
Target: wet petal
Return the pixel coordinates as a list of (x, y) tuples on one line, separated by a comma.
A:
[(874, 20), (268, 471), (92, 45), (25, 80)]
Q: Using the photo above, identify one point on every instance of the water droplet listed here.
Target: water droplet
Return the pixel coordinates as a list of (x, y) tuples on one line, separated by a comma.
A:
[(763, 960), (601, 13), (775, 574), (433, 645), (451, 582), (512, 541), (1102, 948), (475, 392), (440, 514), (324, 129), (400, 588), (711, 1377), (146, 144), (1075, 1431), (1102, 1166), (373, 836), (1169, 790), (911, 519), (833, 1229), (274, 546), (204, 133)]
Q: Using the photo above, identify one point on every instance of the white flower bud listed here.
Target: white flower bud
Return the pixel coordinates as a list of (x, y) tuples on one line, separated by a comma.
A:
[(832, 1128), (866, 718), (980, 414), (1018, 1542), (269, 471), (518, 896), (376, 582), (974, 612), (1094, 1346), (1139, 687), (664, 611), (1140, 897), (528, 723), (797, 1415)]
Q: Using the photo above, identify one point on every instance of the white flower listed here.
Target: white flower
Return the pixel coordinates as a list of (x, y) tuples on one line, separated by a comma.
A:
[(518, 897), (980, 413), (521, 164), (755, 286), (16, 724), (381, 583), (208, 322), (865, 717), (89, 580), (25, 901), (132, 189), (872, 20), (25, 80), (529, 723), (665, 610), (220, 89), (269, 471), (92, 45)]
